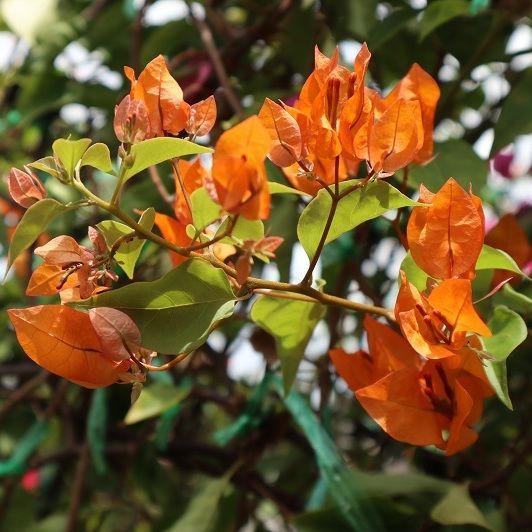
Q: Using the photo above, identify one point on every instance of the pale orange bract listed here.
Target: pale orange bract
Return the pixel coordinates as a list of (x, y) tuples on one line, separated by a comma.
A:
[(417, 401), (238, 171), (162, 96), (63, 341), (436, 326), (446, 238), (176, 233), (419, 85), (395, 137)]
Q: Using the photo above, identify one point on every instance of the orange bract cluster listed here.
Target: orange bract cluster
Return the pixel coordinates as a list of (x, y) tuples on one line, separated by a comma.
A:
[(155, 107), (336, 116), (428, 385)]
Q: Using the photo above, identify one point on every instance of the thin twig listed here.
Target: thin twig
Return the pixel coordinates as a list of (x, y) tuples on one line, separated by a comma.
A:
[(161, 188), (77, 489), (208, 41), (21, 393)]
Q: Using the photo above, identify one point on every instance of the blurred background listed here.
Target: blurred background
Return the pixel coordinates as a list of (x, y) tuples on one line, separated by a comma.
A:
[(75, 459)]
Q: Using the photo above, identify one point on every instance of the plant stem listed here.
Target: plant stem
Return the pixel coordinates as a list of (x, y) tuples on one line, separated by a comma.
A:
[(184, 191), (252, 283)]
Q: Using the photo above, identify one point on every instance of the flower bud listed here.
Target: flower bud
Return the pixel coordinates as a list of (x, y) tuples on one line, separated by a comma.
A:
[(24, 187), (132, 122)]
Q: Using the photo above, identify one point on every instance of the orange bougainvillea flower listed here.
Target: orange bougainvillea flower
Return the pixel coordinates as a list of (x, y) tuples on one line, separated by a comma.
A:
[(162, 95), (388, 351), (287, 140), (419, 85), (190, 175), (446, 238), (63, 341), (436, 326), (202, 117), (417, 401), (175, 232), (238, 171), (49, 279), (24, 187), (509, 236), (355, 114), (396, 136)]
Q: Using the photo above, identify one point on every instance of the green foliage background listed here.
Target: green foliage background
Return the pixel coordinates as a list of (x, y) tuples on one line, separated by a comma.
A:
[(200, 451)]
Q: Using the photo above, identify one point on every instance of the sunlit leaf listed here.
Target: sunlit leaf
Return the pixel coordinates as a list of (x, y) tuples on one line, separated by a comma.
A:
[(355, 208), (291, 323), (154, 400), (457, 508), (177, 312), (129, 250), (98, 156), (34, 222), (509, 330), (69, 152), (204, 209), (154, 151)]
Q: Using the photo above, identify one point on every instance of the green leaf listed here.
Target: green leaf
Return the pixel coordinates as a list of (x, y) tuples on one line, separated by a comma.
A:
[(440, 12), (98, 156), (175, 313), (496, 259), (471, 170), (244, 229), (34, 222), (47, 164), (17, 462), (252, 415), (342, 482), (154, 151), (204, 510), (489, 259), (414, 273), (457, 508), (518, 301), (154, 400), (279, 188), (359, 206), (204, 209), (96, 429), (509, 330), (129, 251), (515, 119), (69, 152), (291, 324)]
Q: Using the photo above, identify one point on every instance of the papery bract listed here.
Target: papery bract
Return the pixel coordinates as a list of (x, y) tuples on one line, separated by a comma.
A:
[(446, 238), (176, 233), (284, 131), (114, 329), (419, 85), (202, 117), (191, 176), (49, 279), (63, 341), (238, 170), (24, 187), (395, 137), (436, 326), (162, 95)]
